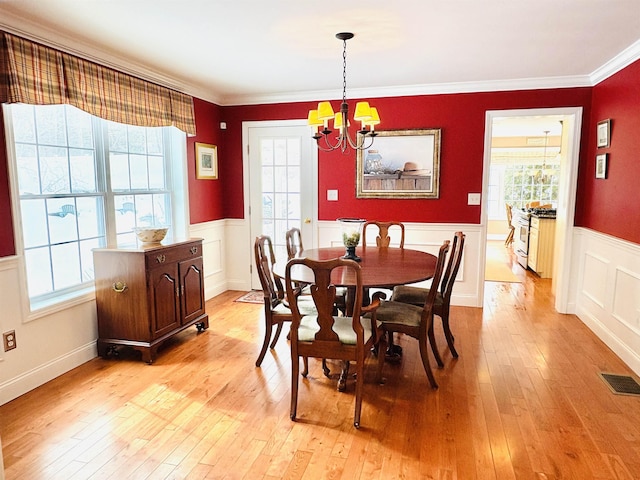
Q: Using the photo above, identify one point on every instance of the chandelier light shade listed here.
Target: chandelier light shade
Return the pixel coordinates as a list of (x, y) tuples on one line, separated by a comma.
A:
[(364, 113)]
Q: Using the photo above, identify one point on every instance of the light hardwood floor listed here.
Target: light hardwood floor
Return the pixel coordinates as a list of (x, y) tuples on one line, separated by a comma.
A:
[(523, 401)]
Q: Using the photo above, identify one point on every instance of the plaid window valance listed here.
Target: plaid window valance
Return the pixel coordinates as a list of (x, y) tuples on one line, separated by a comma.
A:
[(38, 75)]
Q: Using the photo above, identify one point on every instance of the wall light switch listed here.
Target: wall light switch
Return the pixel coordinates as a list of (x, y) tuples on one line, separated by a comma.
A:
[(473, 199), (332, 195)]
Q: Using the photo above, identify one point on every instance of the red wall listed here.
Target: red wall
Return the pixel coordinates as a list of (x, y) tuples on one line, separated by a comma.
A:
[(206, 196), (611, 205), (462, 120)]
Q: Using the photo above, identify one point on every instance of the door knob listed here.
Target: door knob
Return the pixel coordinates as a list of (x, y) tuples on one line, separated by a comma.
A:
[(307, 220)]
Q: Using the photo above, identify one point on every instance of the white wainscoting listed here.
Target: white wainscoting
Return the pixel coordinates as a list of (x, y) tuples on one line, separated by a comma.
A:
[(425, 237), (607, 291)]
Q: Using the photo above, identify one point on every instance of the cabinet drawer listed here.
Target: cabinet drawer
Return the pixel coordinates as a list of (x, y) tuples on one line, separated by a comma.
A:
[(535, 222), (173, 254)]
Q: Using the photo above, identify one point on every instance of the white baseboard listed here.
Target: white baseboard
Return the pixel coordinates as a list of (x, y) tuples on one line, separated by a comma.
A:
[(31, 379)]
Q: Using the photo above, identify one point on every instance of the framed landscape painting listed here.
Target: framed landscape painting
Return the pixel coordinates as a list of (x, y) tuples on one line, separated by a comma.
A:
[(206, 161), (400, 164)]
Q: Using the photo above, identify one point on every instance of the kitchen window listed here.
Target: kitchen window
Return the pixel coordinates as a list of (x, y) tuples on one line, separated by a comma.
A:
[(81, 182)]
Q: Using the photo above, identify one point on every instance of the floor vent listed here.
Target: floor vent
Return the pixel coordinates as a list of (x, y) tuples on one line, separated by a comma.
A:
[(621, 384)]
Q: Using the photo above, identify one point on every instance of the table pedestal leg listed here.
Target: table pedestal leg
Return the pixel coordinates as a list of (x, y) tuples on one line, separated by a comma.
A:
[(342, 381)]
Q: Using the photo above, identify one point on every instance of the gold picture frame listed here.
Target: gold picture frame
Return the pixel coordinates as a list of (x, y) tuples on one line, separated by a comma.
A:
[(206, 161), (400, 164)]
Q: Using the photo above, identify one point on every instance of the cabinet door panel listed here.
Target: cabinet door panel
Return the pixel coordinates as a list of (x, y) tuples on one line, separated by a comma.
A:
[(533, 249), (165, 315), (192, 284)]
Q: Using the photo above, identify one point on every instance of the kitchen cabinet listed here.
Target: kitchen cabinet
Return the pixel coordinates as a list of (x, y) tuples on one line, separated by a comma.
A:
[(541, 245), (146, 295)]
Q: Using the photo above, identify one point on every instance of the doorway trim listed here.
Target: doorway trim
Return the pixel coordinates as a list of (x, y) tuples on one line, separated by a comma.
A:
[(566, 195)]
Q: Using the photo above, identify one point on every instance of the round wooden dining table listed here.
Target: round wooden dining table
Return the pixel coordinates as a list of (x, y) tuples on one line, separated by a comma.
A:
[(381, 267)]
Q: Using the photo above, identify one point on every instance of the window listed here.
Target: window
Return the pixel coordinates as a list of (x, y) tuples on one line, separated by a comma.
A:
[(83, 182), (520, 177)]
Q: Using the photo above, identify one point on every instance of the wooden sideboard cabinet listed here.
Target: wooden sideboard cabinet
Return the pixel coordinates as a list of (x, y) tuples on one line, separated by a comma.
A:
[(146, 295), (541, 246)]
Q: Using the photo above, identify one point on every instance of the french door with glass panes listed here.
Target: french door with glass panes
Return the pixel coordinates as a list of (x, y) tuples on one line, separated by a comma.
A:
[(282, 179)]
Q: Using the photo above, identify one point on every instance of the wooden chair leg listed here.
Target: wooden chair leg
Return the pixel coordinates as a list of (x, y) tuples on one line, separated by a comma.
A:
[(448, 335), (276, 336), (359, 389), (305, 362), (295, 370), (268, 328), (424, 355), (434, 347)]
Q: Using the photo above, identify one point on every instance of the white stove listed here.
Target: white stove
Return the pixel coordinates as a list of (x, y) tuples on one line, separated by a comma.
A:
[(521, 219)]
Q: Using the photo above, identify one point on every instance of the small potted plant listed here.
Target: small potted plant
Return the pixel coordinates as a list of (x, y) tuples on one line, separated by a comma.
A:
[(351, 233)]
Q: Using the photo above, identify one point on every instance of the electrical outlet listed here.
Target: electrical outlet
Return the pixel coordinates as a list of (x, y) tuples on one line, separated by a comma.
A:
[(9, 339)]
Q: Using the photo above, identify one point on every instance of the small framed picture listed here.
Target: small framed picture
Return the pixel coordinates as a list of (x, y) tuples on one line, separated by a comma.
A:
[(601, 165), (604, 133), (206, 161)]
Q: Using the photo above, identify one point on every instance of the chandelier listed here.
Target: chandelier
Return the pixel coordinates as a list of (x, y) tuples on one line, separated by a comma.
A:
[(364, 113)]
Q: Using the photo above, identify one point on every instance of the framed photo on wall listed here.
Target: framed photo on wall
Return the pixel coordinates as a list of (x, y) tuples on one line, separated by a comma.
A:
[(206, 161), (400, 164), (601, 165), (604, 133)]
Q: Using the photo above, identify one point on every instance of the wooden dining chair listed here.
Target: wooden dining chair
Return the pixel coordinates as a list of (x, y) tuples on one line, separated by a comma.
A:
[(276, 308), (509, 240), (295, 248), (417, 295), (325, 335), (383, 239), (293, 239), (417, 322)]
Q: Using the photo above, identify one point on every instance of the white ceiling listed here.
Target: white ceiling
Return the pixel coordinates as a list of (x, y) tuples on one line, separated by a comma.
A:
[(255, 51)]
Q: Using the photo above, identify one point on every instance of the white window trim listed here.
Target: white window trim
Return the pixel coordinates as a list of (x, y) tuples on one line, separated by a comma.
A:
[(180, 224)]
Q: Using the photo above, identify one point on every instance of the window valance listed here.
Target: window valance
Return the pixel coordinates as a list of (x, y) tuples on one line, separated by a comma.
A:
[(38, 75)]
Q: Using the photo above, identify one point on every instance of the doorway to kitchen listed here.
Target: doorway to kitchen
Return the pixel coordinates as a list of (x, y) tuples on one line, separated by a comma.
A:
[(531, 159)]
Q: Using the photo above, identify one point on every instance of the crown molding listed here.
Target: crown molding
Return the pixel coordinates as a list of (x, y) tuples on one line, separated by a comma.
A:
[(617, 63), (410, 90)]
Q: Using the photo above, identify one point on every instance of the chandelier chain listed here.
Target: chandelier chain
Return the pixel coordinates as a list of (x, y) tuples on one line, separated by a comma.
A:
[(344, 71)]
